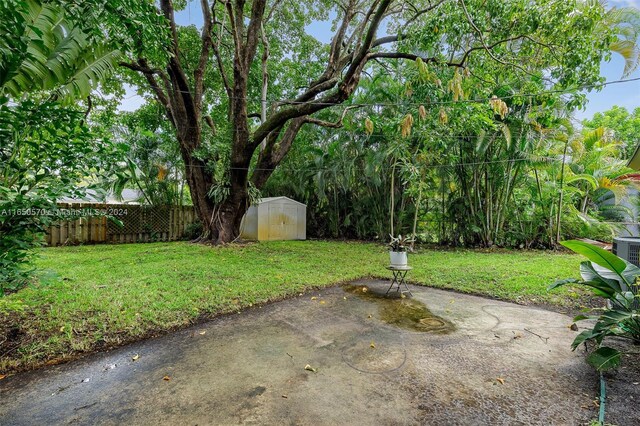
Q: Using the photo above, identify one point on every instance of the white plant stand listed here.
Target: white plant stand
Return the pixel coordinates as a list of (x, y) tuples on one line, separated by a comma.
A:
[(399, 274)]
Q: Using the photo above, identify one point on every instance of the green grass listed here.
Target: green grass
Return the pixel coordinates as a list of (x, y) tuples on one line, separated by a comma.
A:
[(108, 295)]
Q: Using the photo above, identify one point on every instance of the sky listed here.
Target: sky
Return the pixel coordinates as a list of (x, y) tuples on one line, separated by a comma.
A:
[(624, 94)]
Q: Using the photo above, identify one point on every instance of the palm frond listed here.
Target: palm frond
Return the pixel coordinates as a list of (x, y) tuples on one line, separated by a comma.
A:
[(58, 57)]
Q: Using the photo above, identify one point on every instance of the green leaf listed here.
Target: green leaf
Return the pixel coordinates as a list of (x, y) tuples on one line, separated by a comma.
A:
[(560, 283), (596, 255), (600, 278), (583, 337), (581, 317), (616, 316), (604, 358)]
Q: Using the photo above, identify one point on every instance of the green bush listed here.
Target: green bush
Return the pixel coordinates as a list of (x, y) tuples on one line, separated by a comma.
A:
[(47, 153), (22, 225), (614, 279)]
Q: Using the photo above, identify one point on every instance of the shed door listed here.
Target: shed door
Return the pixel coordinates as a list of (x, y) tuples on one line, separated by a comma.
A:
[(282, 221), (290, 220)]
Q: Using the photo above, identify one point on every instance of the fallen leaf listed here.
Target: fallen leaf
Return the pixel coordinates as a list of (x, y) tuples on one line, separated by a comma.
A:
[(313, 298), (2, 376), (322, 302), (61, 329), (135, 357), (166, 378), (373, 345), (310, 368), (500, 380)]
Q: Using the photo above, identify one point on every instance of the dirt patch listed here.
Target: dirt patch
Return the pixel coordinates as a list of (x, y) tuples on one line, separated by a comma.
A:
[(13, 336), (623, 386)]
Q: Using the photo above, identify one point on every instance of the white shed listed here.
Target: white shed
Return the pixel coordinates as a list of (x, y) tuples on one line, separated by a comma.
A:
[(275, 218)]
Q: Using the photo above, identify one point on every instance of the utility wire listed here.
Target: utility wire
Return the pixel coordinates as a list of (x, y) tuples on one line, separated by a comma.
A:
[(477, 100), (386, 167)]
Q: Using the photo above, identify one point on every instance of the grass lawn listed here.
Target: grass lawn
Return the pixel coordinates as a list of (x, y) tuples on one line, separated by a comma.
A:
[(108, 295)]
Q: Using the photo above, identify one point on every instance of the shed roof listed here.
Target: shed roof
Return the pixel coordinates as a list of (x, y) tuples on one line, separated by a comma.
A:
[(282, 198)]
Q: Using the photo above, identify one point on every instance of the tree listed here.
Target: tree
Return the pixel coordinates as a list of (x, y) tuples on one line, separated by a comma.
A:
[(243, 55), (153, 165), (625, 125)]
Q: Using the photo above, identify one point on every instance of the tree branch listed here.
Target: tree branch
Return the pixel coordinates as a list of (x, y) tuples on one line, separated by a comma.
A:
[(333, 125), (345, 87), (461, 63), (253, 31), (484, 44), (218, 56), (207, 42), (387, 39), (265, 80), (270, 158), (422, 12), (150, 73)]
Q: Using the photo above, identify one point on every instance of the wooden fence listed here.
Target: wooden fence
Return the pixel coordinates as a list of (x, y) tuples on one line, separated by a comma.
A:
[(93, 223)]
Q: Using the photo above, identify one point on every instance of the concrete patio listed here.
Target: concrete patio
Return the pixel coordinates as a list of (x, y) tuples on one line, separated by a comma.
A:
[(435, 358)]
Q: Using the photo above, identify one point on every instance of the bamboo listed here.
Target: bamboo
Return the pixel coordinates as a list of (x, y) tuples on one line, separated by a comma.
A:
[(559, 212), (391, 207)]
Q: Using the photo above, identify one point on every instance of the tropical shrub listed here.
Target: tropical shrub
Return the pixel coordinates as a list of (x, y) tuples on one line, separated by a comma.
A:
[(616, 280), (46, 153), (47, 148), (20, 232)]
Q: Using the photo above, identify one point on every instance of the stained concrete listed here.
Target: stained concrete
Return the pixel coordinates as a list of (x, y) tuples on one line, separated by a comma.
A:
[(496, 363)]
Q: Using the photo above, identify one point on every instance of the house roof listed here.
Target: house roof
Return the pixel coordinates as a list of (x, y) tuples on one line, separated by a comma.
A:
[(129, 196), (634, 161), (282, 198)]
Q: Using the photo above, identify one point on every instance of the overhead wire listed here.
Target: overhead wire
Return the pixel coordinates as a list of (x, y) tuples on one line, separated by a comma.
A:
[(429, 102)]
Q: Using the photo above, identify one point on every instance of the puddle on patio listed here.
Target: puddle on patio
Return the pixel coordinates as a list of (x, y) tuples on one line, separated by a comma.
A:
[(406, 313)]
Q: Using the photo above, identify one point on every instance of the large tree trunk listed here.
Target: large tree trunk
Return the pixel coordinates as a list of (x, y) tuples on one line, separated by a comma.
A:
[(226, 226), (221, 222)]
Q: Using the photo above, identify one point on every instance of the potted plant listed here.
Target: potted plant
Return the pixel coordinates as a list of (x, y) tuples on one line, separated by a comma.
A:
[(398, 250)]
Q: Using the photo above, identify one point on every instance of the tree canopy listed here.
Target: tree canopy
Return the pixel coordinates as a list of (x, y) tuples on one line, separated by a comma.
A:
[(624, 124), (239, 89)]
